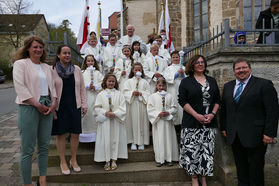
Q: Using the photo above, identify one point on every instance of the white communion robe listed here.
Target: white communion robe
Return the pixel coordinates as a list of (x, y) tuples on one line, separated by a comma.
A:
[(137, 58), (126, 40), (97, 52), (89, 125), (149, 67), (137, 122), (108, 56), (163, 131), (173, 83), (111, 141), (119, 67), (163, 53)]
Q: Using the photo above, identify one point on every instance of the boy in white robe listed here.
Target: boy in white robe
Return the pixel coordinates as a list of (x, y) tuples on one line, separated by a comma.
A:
[(161, 109), (112, 54), (173, 75), (163, 53), (154, 66), (95, 50), (110, 110), (136, 91), (92, 79)]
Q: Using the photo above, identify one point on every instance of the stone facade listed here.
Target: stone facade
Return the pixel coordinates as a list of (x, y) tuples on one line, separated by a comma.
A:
[(141, 14)]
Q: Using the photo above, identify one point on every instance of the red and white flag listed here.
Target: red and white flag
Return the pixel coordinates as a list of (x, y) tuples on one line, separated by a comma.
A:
[(84, 26), (167, 22)]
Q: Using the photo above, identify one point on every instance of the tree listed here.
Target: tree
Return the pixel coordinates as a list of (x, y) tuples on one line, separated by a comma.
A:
[(15, 6), (14, 35)]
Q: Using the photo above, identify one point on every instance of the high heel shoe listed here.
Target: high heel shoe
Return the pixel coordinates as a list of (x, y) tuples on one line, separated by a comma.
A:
[(75, 169), (65, 172)]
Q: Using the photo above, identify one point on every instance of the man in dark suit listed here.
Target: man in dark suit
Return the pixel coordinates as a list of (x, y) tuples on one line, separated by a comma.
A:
[(249, 121)]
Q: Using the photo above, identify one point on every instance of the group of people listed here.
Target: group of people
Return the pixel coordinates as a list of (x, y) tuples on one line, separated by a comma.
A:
[(120, 90), (110, 104)]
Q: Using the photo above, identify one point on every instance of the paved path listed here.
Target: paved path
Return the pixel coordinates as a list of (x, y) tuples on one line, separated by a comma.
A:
[(9, 150)]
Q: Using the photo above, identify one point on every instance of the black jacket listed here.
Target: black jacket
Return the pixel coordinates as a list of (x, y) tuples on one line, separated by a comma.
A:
[(267, 16), (255, 114), (190, 92)]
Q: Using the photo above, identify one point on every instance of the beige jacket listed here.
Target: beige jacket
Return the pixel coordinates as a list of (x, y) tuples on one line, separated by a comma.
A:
[(27, 81), (81, 97)]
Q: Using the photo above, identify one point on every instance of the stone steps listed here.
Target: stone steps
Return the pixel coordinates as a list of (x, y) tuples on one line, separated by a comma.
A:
[(138, 169), (134, 172), (86, 153)]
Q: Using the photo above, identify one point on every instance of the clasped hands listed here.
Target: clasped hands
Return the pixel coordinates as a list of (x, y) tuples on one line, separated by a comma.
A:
[(45, 110), (204, 119), (91, 87), (163, 114), (110, 114), (137, 93)]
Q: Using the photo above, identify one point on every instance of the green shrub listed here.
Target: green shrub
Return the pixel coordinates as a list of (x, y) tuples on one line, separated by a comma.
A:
[(6, 66)]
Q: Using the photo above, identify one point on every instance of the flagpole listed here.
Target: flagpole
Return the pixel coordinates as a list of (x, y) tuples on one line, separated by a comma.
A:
[(121, 17), (99, 23)]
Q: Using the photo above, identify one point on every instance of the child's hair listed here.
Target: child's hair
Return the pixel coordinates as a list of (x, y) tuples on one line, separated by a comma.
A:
[(161, 80), (157, 37), (139, 51), (131, 57), (175, 52), (155, 45), (84, 65), (92, 38), (104, 85), (111, 35), (133, 66)]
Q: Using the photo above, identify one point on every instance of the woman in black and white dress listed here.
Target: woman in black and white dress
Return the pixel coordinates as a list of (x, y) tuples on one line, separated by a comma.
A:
[(199, 96)]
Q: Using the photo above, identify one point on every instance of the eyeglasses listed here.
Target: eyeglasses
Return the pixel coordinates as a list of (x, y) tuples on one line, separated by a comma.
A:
[(199, 62), (241, 68)]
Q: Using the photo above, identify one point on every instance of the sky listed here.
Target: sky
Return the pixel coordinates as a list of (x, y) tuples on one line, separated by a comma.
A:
[(57, 10)]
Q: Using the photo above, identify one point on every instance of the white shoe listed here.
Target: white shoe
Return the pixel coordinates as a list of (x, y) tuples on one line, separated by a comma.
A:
[(141, 147), (134, 147)]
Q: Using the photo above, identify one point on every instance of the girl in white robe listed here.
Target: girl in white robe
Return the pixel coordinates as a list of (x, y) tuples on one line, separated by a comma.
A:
[(111, 54), (136, 91), (154, 66), (123, 66), (110, 110), (137, 54), (173, 75), (161, 109), (92, 79)]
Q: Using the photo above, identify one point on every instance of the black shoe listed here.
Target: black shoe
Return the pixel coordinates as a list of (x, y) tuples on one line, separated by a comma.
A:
[(158, 164), (169, 164)]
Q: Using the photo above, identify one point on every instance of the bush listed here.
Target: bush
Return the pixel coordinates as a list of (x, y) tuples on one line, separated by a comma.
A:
[(6, 66)]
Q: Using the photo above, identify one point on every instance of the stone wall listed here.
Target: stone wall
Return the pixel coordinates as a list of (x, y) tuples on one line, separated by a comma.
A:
[(142, 14), (265, 63), (41, 30), (175, 15)]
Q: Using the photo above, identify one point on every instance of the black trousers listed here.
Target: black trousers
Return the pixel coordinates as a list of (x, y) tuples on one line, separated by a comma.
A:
[(249, 163)]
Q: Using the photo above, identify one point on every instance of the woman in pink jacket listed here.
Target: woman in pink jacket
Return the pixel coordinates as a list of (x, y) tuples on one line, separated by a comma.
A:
[(71, 104), (36, 98)]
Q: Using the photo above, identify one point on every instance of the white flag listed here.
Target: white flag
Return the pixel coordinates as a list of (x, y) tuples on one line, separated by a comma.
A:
[(84, 26), (161, 23)]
